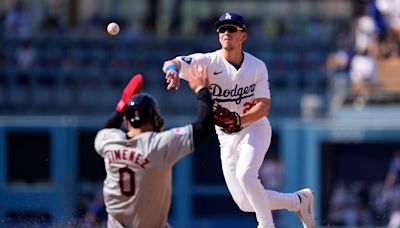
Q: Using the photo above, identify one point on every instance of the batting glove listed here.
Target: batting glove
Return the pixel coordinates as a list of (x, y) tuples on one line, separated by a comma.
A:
[(134, 86)]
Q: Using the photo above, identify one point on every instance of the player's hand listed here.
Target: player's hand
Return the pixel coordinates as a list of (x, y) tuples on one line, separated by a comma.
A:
[(134, 86), (172, 78), (198, 77)]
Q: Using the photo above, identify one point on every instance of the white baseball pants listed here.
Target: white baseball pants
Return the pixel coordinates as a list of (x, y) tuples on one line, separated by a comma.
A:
[(242, 155)]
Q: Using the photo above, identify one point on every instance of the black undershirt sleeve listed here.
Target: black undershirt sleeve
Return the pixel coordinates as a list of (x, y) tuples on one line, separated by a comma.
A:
[(115, 120), (204, 124)]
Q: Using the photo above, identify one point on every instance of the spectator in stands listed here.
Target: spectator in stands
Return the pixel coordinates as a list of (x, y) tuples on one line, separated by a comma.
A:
[(95, 214), (338, 69), (378, 18), (271, 172), (51, 27), (392, 179), (391, 190), (388, 47), (69, 64), (93, 26), (338, 62), (389, 65), (365, 31), (350, 204), (364, 68), (26, 56), (365, 212), (3, 58), (202, 24), (281, 29), (318, 29), (343, 209), (390, 9), (17, 22), (2, 23)]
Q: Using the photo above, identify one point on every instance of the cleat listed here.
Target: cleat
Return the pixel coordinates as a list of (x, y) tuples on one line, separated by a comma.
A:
[(306, 211)]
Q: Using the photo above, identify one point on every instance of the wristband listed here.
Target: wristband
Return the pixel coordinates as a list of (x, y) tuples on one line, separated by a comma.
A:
[(172, 67)]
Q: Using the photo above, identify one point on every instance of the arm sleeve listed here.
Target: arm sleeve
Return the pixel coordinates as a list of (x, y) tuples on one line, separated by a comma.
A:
[(204, 124), (114, 121), (262, 89), (174, 143)]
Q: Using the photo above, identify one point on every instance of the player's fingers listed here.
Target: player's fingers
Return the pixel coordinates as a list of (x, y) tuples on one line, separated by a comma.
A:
[(173, 82), (172, 79), (177, 84), (168, 75), (175, 79), (171, 74), (170, 85)]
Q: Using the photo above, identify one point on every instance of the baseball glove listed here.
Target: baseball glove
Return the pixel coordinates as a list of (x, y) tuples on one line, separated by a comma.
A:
[(229, 121)]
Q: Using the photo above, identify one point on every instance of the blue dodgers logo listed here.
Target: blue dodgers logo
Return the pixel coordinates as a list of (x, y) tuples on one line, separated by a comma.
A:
[(187, 59)]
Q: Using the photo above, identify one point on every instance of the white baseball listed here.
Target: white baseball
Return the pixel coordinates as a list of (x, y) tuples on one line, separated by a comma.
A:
[(113, 28)]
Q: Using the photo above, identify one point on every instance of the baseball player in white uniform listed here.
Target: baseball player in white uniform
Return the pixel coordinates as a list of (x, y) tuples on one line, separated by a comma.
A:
[(239, 83), (138, 163)]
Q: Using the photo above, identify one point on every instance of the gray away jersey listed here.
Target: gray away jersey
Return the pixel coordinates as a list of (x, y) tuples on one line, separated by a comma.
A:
[(138, 187)]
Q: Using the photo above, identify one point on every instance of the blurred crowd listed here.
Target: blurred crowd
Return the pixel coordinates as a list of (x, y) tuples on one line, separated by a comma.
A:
[(18, 23), (47, 54), (367, 58), (366, 203), (92, 213), (366, 63), (350, 205)]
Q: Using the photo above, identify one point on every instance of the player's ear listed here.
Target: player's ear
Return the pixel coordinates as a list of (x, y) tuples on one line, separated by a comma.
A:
[(244, 36)]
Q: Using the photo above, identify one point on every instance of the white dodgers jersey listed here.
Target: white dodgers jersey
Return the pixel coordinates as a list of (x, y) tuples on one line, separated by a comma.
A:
[(137, 189), (235, 89)]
